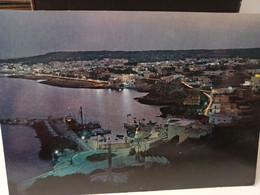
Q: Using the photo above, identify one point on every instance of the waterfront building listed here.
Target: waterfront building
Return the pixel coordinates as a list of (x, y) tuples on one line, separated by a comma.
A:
[(186, 128), (197, 130)]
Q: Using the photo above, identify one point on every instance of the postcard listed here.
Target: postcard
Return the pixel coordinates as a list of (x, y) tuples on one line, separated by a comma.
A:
[(105, 102)]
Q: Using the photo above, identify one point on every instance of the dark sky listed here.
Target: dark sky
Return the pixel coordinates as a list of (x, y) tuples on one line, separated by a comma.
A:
[(24, 33)]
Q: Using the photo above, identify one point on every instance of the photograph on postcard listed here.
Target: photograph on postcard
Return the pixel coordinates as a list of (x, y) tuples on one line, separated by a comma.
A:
[(105, 102)]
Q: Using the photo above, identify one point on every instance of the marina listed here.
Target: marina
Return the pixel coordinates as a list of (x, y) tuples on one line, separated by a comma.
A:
[(27, 107)]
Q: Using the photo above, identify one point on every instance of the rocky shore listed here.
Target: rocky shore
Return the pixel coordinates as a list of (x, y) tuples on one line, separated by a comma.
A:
[(166, 94), (171, 96)]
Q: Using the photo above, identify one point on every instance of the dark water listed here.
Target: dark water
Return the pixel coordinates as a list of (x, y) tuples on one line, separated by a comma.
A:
[(30, 99), (21, 153), (26, 98)]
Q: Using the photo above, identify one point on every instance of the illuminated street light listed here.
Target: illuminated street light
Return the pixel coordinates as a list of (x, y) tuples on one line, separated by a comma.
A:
[(83, 137)]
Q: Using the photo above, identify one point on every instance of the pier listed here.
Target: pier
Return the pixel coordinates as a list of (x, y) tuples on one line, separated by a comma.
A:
[(51, 130)]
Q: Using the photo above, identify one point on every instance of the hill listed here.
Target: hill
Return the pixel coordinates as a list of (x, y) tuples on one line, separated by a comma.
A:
[(139, 56)]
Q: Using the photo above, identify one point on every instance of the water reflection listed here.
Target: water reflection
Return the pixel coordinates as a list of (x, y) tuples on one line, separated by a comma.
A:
[(26, 98)]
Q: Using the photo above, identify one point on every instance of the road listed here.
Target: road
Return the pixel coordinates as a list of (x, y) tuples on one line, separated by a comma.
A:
[(60, 127), (70, 78), (210, 103), (204, 92), (54, 134)]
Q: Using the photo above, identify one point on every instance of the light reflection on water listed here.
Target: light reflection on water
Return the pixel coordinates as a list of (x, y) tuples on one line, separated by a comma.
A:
[(27, 98)]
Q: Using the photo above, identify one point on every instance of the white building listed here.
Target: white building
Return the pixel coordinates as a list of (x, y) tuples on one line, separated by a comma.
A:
[(220, 118)]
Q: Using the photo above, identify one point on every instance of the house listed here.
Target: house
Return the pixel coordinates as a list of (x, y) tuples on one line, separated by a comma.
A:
[(222, 104), (221, 118), (192, 100), (255, 81), (213, 73), (230, 73), (204, 79), (168, 79), (221, 99), (178, 125), (179, 70), (215, 108), (228, 90), (185, 128), (244, 93), (115, 83), (196, 131)]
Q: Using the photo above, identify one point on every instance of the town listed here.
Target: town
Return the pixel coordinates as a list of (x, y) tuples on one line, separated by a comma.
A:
[(229, 84), (197, 95)]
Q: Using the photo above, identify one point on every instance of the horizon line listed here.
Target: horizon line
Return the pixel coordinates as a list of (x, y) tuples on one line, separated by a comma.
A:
[(75, 51)]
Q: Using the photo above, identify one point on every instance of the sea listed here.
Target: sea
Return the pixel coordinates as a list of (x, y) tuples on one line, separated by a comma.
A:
[(30, 99)]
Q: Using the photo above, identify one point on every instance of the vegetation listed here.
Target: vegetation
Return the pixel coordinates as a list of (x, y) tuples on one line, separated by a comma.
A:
[(139, 56)]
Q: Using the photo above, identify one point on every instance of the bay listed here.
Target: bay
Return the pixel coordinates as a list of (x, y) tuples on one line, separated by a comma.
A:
[(33, 100)]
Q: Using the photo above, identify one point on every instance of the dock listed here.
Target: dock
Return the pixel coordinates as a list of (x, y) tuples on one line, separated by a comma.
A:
[(51, 130)]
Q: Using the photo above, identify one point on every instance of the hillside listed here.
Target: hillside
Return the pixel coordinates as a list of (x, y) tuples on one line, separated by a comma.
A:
[(139, 56)]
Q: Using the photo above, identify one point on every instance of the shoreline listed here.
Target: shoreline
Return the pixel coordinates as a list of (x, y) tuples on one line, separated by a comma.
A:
[(194, 160), (167, 107), (61, 82), (71, 83), (74, 83)]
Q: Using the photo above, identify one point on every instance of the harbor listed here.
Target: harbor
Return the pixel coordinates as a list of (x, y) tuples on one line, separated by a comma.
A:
[(24, 117), (133, 138), (68, 143)]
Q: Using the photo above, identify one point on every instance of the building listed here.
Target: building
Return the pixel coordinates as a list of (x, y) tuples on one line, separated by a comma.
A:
[(115, 83), (215, 108), (244, 93), (202, 119), (185, 128), (255, 81), (221, 99), (196, 131), (192, 100), (222, 104), (213, 73), (221, 118)]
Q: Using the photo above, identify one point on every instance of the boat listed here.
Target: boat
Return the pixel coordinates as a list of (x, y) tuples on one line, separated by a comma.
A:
[(120, 136), (101, 132), (130, 129), (130, 126)]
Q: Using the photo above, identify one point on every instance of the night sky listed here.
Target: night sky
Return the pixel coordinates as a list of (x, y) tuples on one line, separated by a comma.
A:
[(24, 33)]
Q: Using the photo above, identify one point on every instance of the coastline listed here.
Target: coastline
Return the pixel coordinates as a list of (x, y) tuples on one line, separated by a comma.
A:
[(74, 83), (169, 106), (61, 82)]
